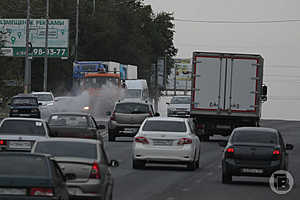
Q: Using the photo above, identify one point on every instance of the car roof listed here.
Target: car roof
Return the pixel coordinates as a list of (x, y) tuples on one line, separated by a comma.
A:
[(133, 100), (62, 139), (41, 93), (254, 129), (181, 96), (24, 96), (71, 113), (23, 119), (175, 119)]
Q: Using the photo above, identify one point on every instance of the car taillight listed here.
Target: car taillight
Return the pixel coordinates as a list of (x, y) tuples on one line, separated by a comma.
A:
[(113, 116), (95, 173), (142, 140), (41, 192), (2, 142), (276, 154), (229, 152), (183, 141)]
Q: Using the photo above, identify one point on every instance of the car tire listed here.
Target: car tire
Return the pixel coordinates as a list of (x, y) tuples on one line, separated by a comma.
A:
[(111, 135), (138, 164), (226, 178), (191, 165)]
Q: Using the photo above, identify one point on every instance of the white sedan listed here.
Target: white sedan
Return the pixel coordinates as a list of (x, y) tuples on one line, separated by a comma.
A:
[(166, 140)]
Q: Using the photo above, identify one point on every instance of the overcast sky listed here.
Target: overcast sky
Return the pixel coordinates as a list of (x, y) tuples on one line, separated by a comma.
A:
[(278, 43)]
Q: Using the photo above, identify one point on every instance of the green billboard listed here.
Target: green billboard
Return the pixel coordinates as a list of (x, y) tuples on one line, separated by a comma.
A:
[(13, 37)]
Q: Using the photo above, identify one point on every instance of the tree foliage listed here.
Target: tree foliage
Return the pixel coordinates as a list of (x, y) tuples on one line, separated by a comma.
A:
[(123, 31)]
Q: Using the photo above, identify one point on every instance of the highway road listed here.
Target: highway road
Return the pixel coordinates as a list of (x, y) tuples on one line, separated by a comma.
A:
[(169, 182)]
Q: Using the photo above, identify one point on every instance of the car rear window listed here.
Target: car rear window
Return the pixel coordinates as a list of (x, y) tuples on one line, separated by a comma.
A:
[(68, 120), (181, 100), (19, 127), (254, 137), (15, 165), (44, 97), (24, 101), (164, 126), (67, 149), (132, 108)]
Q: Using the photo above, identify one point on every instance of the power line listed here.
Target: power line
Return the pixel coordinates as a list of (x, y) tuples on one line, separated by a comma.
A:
[(238, 22)]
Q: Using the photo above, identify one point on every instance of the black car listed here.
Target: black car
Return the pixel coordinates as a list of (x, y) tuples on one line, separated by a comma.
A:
[(74, 125), (25, 176), (24, 105), (254, 151)]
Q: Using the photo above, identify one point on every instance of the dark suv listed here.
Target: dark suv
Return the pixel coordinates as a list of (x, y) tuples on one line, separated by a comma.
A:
[(24, 105), (127, 117)]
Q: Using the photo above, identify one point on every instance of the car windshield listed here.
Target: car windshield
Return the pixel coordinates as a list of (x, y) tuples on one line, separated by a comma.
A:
[(68, 120), (44, 97), (181, 100), (164, 126), (133, 93), (254, 137), (132, 108), (24, 101), (18, 165), (67, 149), (22, 127)]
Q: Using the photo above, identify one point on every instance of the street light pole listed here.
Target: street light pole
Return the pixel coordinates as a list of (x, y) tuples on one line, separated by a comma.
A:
[(77, 29), (46, 48), (27, 67)]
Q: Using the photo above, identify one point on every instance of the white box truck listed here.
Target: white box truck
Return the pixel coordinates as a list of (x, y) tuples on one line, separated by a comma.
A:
[(227, 92)]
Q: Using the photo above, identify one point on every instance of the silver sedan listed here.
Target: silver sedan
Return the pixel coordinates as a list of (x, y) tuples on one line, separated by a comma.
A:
[(86, 164)]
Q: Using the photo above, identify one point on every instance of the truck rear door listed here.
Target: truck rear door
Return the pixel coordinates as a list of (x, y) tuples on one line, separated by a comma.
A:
[(241, 84)]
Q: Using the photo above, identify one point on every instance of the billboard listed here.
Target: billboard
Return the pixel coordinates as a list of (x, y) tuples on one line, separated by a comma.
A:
[(182, 72), (13, 37)]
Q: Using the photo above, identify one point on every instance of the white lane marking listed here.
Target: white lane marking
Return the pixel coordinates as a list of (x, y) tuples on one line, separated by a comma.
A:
[(170, 198)]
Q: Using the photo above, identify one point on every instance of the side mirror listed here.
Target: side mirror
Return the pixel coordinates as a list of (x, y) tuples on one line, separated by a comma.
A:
[(70, 176), (289, 147), (40, 104), (222, 143), (156, 115), (168, 103), (101, 126), (108, 113), (114, 163)]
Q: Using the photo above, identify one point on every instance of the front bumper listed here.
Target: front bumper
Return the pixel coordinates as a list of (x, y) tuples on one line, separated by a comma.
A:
[(235, 169)]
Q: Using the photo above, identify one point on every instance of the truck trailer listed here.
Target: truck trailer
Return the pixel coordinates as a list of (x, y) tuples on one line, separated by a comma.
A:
[(227, 92)]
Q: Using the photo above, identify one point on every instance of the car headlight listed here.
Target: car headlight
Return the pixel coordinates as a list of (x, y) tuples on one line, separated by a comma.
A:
[(50, 104), (86, 108), (35, 110)]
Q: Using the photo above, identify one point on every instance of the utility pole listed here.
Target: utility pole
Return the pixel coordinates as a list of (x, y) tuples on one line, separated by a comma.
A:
[(27, 67), (46, 47), (175, 74), (156, 89), (77, 29), (165, 75)]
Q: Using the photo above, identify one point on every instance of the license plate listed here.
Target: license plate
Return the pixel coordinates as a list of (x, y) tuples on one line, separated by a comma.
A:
[(12, 191), (162, 142), (223, 126), (24, 115), (19, 145), (131, 130), (253, 171), (74, 191)]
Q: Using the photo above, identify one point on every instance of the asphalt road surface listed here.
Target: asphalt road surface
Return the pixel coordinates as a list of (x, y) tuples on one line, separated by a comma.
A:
[(169, 182)]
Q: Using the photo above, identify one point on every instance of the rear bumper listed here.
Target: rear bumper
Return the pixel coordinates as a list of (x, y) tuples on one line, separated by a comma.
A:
[(93, 189), (236, 170), (161, 155), (11, 197), (119, 129)]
